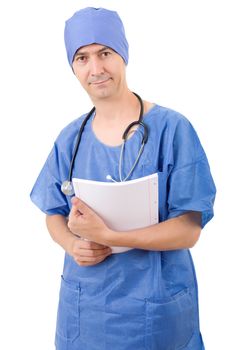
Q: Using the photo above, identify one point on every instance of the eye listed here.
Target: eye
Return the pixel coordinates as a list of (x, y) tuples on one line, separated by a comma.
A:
[(105, 54), (80, 59)]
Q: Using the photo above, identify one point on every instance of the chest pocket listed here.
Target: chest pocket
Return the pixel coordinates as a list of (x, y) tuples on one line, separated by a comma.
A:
[(147, 164)]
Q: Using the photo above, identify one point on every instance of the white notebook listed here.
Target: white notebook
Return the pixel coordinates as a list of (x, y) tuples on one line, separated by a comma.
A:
[(122, 205)]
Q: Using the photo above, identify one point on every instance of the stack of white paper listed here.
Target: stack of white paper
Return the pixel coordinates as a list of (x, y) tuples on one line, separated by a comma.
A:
[(122, 205)]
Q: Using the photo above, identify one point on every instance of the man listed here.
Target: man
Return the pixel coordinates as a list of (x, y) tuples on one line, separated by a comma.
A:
[(145, 298)]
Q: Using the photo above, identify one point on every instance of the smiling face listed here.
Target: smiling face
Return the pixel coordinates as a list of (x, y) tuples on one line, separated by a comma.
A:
[(100, 70)]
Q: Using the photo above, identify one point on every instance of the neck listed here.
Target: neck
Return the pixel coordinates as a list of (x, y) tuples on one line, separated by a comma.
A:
[(123, 106)]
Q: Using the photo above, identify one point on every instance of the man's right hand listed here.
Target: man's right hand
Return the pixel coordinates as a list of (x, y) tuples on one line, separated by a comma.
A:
[(87, 253)]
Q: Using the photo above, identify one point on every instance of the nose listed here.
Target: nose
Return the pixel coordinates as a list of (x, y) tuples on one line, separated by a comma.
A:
[(96, 66)]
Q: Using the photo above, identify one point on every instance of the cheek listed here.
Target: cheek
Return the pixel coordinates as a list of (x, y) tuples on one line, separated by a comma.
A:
[(119, 71)]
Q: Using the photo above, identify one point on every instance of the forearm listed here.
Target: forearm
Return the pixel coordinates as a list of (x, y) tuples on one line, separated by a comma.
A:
[(84, 253), (177, 233), (59, 231)]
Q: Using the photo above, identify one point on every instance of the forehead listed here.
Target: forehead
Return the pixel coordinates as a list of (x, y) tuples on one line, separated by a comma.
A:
[(91, 49)]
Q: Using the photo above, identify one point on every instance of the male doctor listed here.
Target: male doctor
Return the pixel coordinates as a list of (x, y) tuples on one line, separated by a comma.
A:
[(145, 298)]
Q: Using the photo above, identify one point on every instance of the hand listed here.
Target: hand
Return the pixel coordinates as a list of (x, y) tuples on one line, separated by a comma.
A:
[(87, 253), (84, 222)]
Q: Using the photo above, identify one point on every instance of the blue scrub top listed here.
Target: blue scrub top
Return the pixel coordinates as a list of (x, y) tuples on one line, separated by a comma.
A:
[(138, 299)]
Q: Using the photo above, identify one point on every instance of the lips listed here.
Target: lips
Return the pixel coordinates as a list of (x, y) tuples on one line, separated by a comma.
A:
[(100, 82), (99, 79)]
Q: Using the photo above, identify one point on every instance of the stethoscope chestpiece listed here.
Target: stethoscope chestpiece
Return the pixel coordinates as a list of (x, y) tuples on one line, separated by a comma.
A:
[(67, 188)]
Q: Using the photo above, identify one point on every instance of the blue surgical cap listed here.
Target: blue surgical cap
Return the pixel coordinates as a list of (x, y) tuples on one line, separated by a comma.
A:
[(95, 26)]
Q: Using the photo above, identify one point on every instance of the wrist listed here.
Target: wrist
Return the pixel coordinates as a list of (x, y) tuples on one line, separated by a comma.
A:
[(111, 237), (69, 242)]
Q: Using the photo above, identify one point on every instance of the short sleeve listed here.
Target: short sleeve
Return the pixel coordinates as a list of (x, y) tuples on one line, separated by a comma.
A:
[(191, 187), (46, 193)]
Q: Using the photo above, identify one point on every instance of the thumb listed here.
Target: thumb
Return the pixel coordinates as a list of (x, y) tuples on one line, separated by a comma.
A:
[(74, 211), (79, 205), (74, 201)]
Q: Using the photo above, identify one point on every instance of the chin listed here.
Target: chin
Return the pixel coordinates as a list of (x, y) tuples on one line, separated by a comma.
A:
[(101, 94)]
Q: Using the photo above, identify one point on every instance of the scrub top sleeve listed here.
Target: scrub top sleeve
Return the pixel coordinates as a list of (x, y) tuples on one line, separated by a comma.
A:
[(191, 187), (46, 193)]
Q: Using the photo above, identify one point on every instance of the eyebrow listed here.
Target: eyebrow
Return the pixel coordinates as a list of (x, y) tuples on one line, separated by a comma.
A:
[(83, 53)]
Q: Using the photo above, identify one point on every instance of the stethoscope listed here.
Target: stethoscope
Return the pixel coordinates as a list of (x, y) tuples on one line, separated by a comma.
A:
[(67, 187)]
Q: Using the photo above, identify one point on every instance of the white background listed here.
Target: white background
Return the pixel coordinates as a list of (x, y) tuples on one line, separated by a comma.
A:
[(180, 57)]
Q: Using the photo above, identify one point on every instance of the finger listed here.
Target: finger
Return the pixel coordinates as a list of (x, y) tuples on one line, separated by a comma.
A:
[(93, 253), (90, 245), (81, 263), (74, 211), (91, 259), (74, 200), (79, 205), (89, 262), (94, 245)]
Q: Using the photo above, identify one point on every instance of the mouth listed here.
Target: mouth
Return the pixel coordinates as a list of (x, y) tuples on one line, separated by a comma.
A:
[(100, 82)]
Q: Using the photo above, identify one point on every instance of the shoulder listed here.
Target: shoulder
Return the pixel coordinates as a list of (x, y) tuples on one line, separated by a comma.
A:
[(69, 132), (162, 118), (167, 115), (173, 129)]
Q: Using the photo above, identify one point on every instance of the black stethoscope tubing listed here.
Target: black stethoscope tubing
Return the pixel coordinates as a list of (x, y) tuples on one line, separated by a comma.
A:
[(78, 143), (124, 137)]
